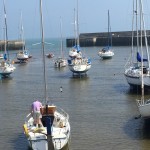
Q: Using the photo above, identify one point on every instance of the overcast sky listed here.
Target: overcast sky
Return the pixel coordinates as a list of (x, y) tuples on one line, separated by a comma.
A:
[(92, 16)]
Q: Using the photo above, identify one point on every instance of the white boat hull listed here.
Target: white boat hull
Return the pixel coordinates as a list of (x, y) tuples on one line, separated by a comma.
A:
[(106, 55), (60, 62), (22, 56), (133, 77), (6, 68), (1, 56), (40, 144), (144, 109), (38, 138), (79, 68), (79, 65), (132, 80), (147, 81)]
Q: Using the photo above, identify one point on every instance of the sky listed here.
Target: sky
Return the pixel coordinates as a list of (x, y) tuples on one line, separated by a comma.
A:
[(92, 17)]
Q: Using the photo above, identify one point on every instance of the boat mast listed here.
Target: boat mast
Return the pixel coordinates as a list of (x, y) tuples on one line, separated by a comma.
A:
[(137, 32), (141, 35), (43, 52), (132, 52), (49, 136), (75, 27), (22, 32), (77, 24), (6, 34), (145, 35), (108, 30), (62, 55)]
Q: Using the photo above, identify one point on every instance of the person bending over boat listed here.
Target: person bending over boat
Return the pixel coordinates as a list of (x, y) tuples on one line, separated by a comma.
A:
[(36, 114)]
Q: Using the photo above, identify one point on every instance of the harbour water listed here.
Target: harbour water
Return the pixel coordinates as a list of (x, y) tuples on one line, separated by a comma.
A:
[(101, 106)]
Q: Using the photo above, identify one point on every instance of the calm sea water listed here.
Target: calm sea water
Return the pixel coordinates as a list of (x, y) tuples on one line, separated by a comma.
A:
[(101, 106)]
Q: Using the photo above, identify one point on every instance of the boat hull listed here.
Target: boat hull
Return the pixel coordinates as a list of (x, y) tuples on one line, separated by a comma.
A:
[(6, 69), (144, 109), (133, 77), (79, 68), (133, 81), (106, 55), (1, 56), (22, 57), (42, 145), (38, 138), (60, 62)]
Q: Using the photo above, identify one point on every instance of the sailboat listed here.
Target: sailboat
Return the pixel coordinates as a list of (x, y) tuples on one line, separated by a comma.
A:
[(23, 55), (107, 52), (143, 104), (61, 61), (1, 56), (133, 69), (6, 66), (78, 63), (55, 133)]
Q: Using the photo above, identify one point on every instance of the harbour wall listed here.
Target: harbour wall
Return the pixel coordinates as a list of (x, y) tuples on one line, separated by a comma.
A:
[(12, 45), (123, 38)]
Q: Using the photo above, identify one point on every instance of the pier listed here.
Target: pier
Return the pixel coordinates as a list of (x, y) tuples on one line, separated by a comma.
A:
[(12, 45), (123, 38)]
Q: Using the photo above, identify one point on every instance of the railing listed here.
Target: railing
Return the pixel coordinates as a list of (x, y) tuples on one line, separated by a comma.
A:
[(61, 111), (27, 118)]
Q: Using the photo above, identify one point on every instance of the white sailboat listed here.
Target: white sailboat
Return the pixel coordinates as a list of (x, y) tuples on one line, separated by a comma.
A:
[(55, 133), (23, 55), (6, 66), (133, 69), (107, 52), (1, 56), (61, 61), (143, 104), (78, 63)]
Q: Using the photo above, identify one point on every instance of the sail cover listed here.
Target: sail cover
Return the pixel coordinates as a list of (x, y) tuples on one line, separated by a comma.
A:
[(5, 57), (77, 47), (139, 57)]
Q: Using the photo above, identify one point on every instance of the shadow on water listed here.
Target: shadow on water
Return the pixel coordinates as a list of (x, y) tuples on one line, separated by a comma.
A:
[(61, 69), (120, 88), (137, 91), (79, 76), (138, 128), (130, 90), (105, 60), (5, 78), (20, 143), (22, 64)]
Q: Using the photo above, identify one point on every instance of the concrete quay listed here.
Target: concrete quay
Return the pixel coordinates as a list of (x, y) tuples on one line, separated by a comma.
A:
[(12, 44), (123, 38)]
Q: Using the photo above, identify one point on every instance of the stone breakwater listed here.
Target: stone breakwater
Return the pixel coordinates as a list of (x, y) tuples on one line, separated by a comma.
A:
[(12, 45), (123, 38)]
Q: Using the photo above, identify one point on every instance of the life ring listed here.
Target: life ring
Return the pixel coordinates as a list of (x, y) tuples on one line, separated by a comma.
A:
[(38, 130)]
